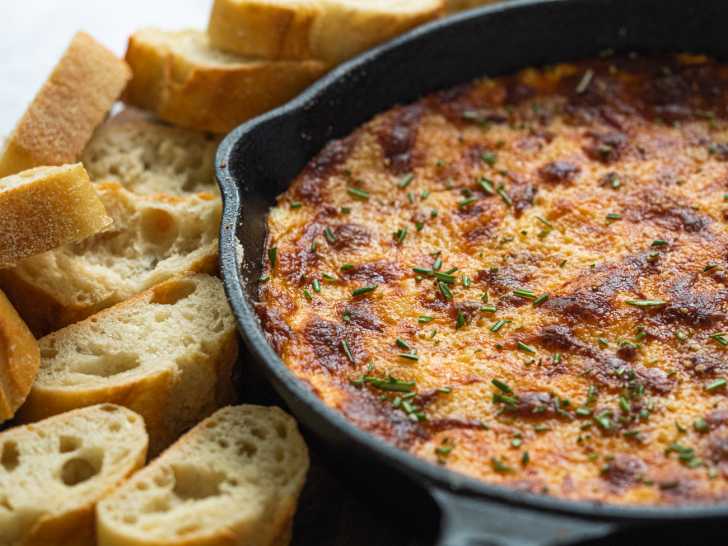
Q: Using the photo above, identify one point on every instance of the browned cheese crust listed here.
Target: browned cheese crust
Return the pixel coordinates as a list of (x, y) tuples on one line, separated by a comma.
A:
[(545, 256)]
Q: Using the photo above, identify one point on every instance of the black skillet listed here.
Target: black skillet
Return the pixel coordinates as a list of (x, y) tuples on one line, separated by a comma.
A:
[(257, 161)]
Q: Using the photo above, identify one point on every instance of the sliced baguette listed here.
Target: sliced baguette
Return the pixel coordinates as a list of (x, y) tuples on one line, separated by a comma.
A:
[(232, 480), (167, 354), (46, 207), (72, 102), (148, 156), (53, 473), (331, 30), (184, 81), (19, 359), (459, 5), (153, 238)]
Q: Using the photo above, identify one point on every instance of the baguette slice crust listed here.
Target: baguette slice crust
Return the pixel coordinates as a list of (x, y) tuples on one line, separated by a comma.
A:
[(330, 30), (454, 6), (167, 354), (148, 156), (53, 473), (232, 480), (153, 238), (72, 102), (19, 359), (46, 207), (181, 78)]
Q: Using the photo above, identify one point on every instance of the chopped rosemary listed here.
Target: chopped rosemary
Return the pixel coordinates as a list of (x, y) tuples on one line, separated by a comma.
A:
[(400, 235), (584, 82), (307, 294), (316, 285), (347, 351), (701, 425), (500, 466), (296, 205), (425, 319), (541, 299), (501, 190), (614, 216), (403, 344), (409, 356), (720, 337), (359, 194), (330, 237), (437, 264), (487, 186), (525, 348), (489, 158), (444, 290), (465, 202), (488, 308), (329, 277), (406, 180), (524, 293), (364, 290), (498, 325), (659, 242), (390, 384), (460, 320), (347, 267), (273, 256), (645, 303), (501, 385), (715, 385)]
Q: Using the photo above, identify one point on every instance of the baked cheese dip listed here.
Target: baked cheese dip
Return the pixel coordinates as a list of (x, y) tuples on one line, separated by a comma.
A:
[(524, 279)]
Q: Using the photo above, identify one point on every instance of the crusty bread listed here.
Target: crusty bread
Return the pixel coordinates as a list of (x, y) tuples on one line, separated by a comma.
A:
[(148, 156), (182, 79), (152, 239), (19, 359), (459, 5), (45, 207), (72, 102), (330, 30), (54, 472), (167, 354), (233, 480)]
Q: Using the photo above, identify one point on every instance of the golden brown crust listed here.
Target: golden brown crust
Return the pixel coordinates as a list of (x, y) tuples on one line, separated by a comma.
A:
[(211, 97), (330, 31), (599, 186), (19, 359), (150, 395), (46, 207), (72, 102)]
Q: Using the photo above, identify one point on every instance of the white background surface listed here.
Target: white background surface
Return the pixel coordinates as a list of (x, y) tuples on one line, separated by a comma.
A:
[(34, 33)]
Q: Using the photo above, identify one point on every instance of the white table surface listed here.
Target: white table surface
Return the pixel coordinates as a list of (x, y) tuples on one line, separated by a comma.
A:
[(34, 33)]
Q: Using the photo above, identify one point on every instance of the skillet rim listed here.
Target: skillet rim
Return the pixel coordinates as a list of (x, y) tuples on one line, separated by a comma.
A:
[(426, 474)]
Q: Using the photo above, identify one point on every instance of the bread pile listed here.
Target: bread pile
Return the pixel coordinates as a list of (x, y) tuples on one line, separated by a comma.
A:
[(116, 339)]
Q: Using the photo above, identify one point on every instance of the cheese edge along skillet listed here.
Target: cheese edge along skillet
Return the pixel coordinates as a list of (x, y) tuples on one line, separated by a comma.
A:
[(251, 237)]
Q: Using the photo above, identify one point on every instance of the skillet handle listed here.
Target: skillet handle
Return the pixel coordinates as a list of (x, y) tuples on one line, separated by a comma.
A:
[(466, 521)]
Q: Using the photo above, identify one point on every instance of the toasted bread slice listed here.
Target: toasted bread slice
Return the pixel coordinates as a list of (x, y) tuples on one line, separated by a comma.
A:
[(167, 354), (330, 30), (453, 6), (183, 80), (46, 207), (72, 102), (232, 480), (54, 472), (19, 359), (148, 156), (153, 238)]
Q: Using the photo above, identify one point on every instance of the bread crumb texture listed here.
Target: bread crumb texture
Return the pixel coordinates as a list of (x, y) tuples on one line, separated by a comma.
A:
[(233, 479), (53, 472)]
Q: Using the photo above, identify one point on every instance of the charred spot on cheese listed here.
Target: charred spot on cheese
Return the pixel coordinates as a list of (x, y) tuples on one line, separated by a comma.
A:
[(397, 137), (379, 272), (347, 236), (605, 146), (335, 347), (530, 267), (277, 331), (312, 181), (624, 471), (559, 171)]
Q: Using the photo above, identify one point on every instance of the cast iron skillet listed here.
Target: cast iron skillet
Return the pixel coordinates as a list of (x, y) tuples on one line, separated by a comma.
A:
[(258, 160)]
